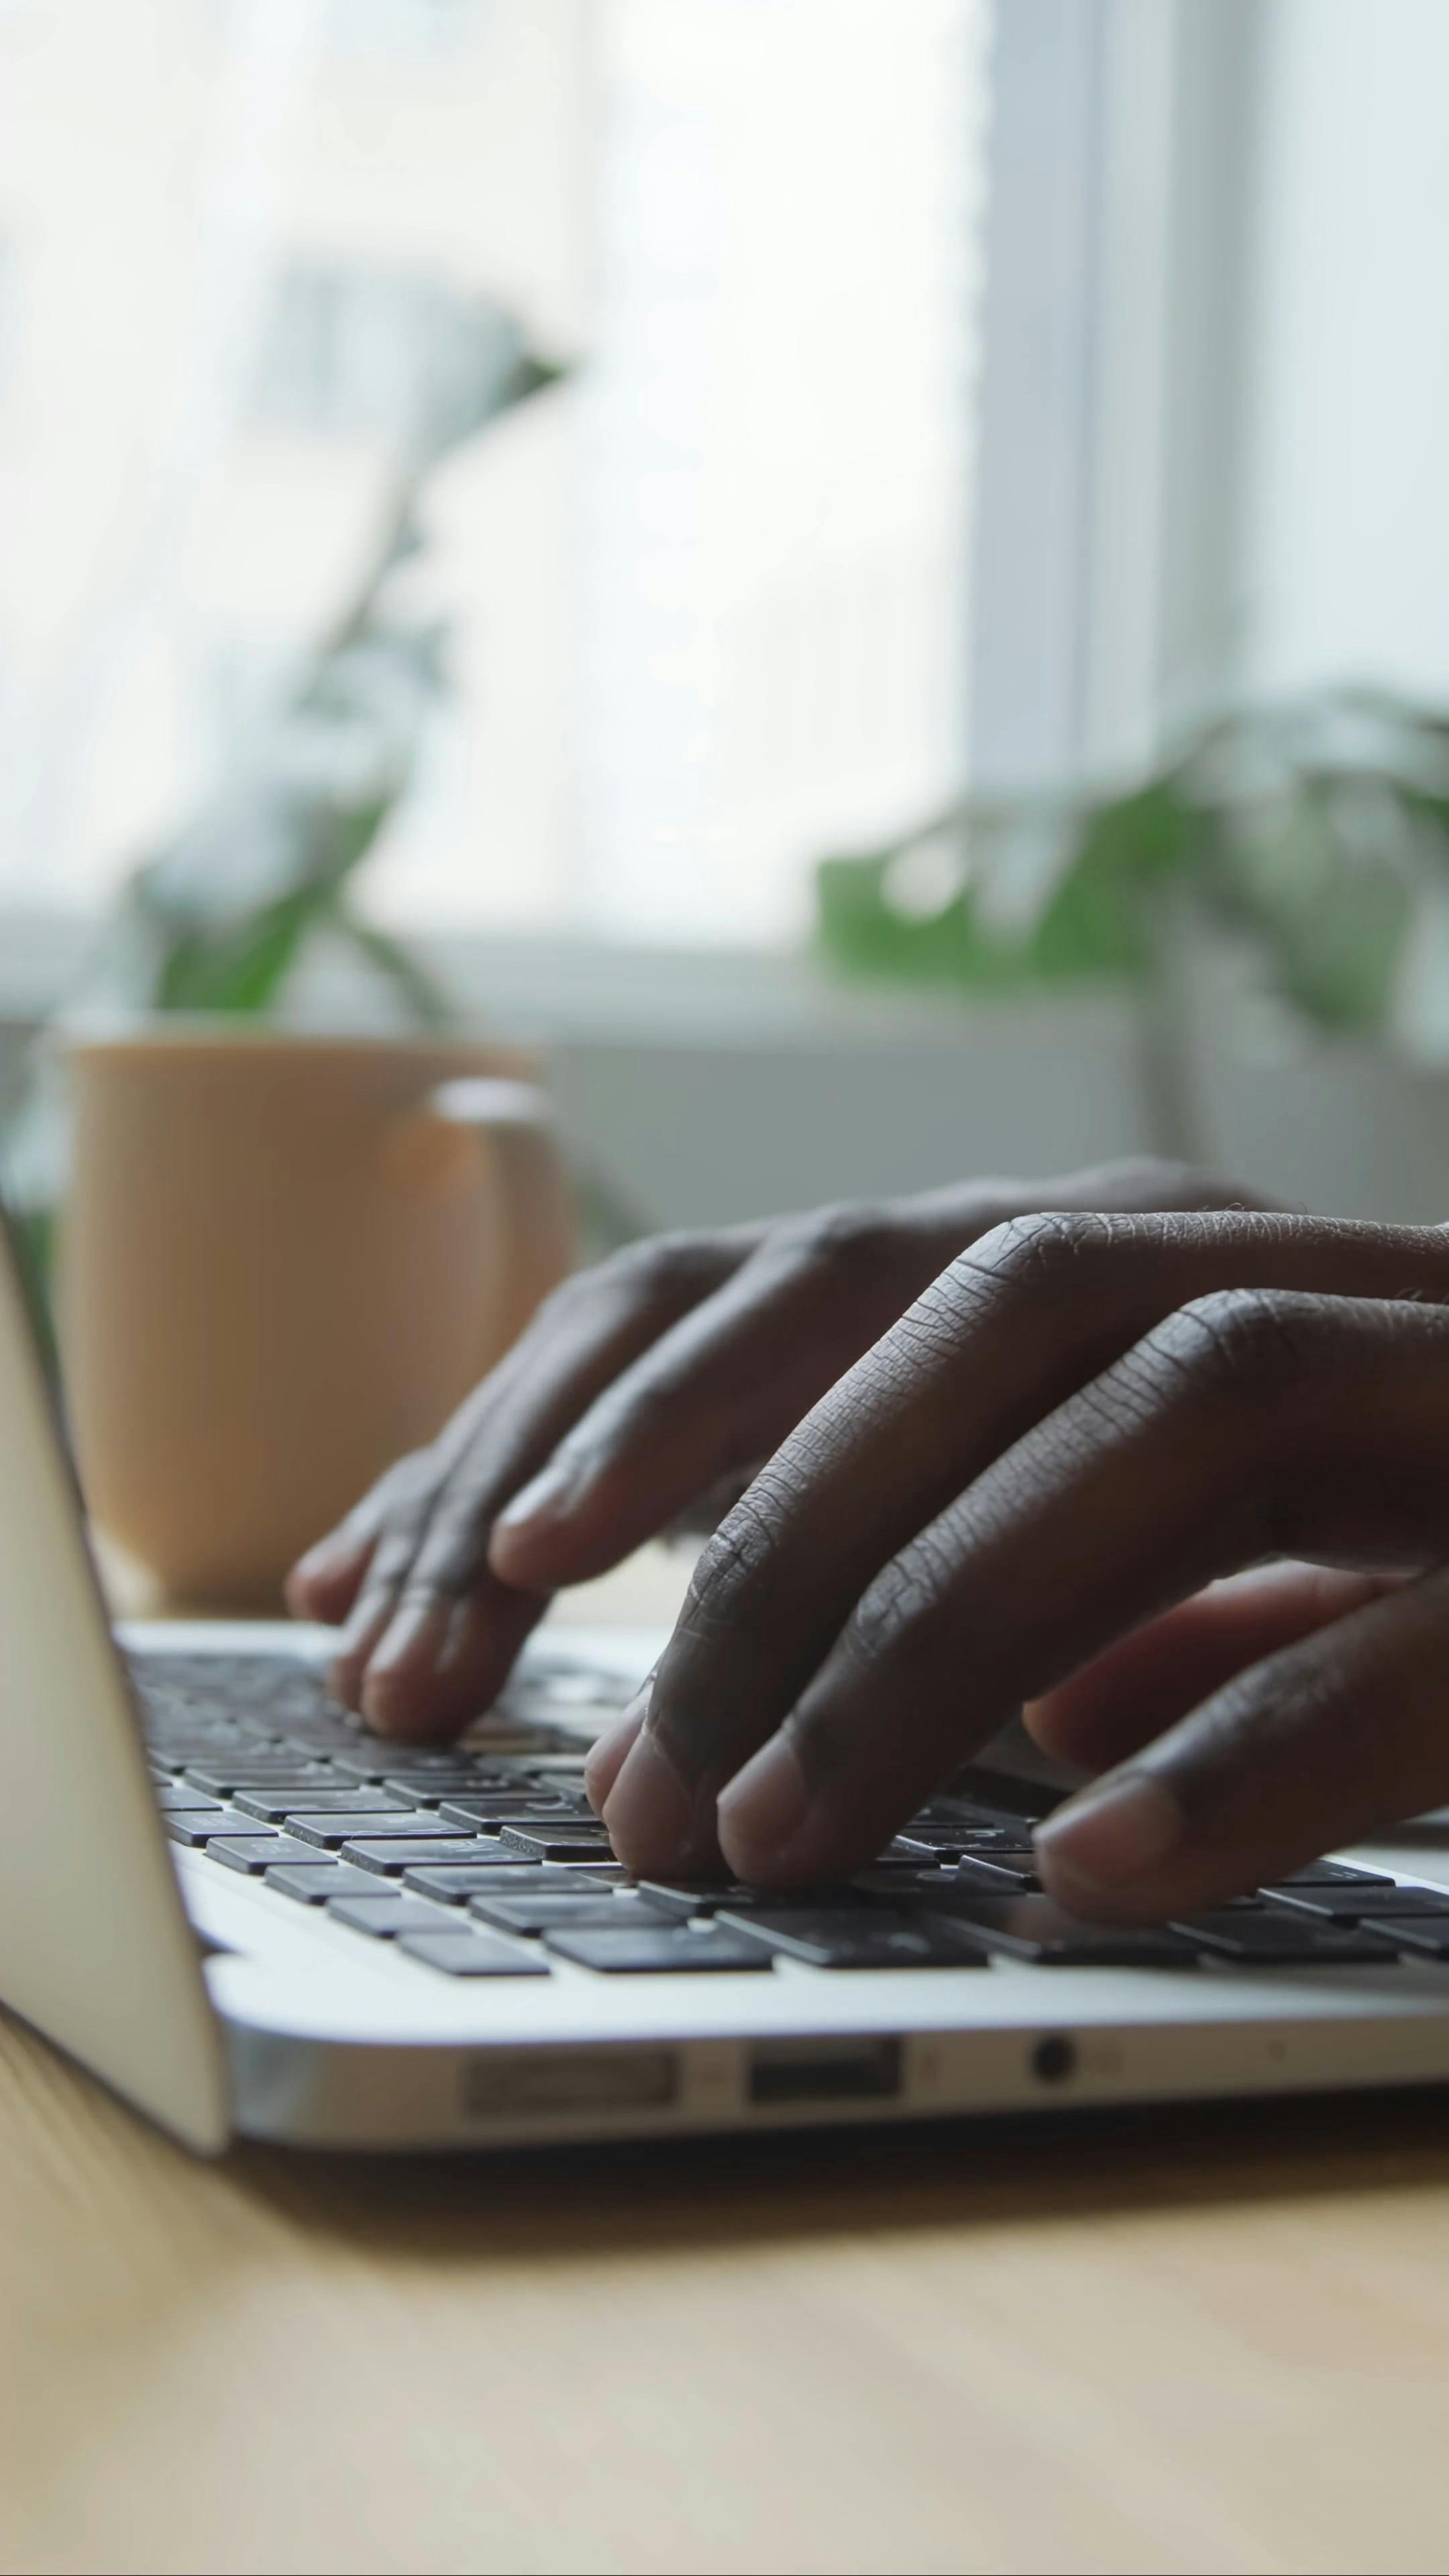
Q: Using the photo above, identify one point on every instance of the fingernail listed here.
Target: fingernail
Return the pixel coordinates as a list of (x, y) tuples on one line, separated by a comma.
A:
[(318, 1560), (610, 1752), (416, 1636), (368, 1624), (1113, 1832), (407, 1652), (544, 1499), (765, 1807), (649, 1812)]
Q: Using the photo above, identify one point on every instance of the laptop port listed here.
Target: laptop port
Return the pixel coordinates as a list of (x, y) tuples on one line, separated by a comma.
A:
[(570, 2079), (825, 2070)]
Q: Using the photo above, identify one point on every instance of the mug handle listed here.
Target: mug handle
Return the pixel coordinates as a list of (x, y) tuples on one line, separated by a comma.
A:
[(515, 1121)]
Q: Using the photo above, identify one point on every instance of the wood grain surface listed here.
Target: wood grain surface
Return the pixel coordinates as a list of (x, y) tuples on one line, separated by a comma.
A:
[(1210, 2339), (1202, 2341)]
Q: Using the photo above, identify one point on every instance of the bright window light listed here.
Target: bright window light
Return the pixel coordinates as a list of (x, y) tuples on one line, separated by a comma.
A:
[(706, 596)]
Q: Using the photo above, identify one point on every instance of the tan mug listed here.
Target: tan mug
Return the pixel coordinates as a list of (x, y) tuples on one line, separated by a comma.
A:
[(284, 1260)]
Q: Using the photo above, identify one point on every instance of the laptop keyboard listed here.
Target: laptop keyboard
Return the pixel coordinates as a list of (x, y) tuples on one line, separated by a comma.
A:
[(486, 1860)]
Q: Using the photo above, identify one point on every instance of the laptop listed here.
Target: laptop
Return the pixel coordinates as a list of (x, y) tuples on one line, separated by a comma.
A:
[(251, 1918)]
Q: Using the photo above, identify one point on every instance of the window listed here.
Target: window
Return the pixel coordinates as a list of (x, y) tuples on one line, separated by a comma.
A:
[(395, 31), (706, 599), (775, 448)]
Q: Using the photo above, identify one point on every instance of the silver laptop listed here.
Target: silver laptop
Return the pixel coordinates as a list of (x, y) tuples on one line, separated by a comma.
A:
[(252, 1918)]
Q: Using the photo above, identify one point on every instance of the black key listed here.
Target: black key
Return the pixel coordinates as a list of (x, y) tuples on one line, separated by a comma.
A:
[(495, 1810), (316, 1881), (317, 1826), (394, 1854), (738, 1899), (278, 1804), (254, 1853), (1273, 1940), (1001, 1797), (870, 1937), (671, 1950), (425, 1792), (511, 1872), (368, 1759), (1036, 1928), (530, 1915), (196, 1826), (980, 1825), (195, 1802), (368, 1762), (229, 1675), (177, 1758), (320, 1743), (385, 1918), (998, 1877), (1426, 1935), (577, 1842), (1351, 1904), (221, 1778), (922, 1835), (184, 1750), (472, 1954), (447, 1762), (674, 1897), (901, 1881), (1333, 1873)]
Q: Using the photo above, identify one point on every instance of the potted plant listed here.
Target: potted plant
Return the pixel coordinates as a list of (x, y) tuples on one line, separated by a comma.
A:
[(1275, 897)]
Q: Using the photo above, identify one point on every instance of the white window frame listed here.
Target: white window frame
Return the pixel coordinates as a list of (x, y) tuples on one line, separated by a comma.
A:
[(1106, 599)]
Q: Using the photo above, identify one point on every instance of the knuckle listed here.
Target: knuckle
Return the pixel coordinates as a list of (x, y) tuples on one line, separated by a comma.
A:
[(855, 1235), (895, 1606), (739, 1558), (1247, 1344), (664, 1268), (1042, 1251)]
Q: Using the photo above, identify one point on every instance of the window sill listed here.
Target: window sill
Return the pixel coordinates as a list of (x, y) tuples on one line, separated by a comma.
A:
[(562, 991)]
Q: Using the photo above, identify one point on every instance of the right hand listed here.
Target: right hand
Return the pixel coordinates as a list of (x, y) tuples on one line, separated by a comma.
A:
[(646, 1391)]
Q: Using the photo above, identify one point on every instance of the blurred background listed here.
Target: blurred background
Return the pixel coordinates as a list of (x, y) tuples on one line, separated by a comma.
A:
[(870, 575)]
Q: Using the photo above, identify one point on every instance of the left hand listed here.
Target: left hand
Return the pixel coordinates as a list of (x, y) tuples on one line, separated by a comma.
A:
[(1018, 1496)]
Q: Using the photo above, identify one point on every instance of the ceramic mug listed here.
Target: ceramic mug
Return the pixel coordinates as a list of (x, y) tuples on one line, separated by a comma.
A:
[(283, 1261)]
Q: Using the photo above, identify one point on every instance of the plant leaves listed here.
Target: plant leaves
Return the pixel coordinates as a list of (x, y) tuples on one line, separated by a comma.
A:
[(425, 999)]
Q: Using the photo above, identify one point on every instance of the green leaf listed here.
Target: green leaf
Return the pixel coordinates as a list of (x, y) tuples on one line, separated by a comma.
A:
[(33, 1232), (425, 999)]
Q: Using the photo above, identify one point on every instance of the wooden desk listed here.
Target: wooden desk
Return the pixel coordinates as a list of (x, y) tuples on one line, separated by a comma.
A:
[(1206, 2340)]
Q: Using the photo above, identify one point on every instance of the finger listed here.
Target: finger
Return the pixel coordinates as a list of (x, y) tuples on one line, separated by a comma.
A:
[(612, 1749), (716, 1393), (1016, 1325), (1143, 1683), (1327, 1742), (1248, 1425), (447, 1658), (892, 1258), (432, 1551), (325, 1582), (829, 1283)]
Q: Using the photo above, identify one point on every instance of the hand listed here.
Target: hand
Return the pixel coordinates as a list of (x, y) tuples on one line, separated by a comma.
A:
[(1017, 1497), (642, 1390)]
